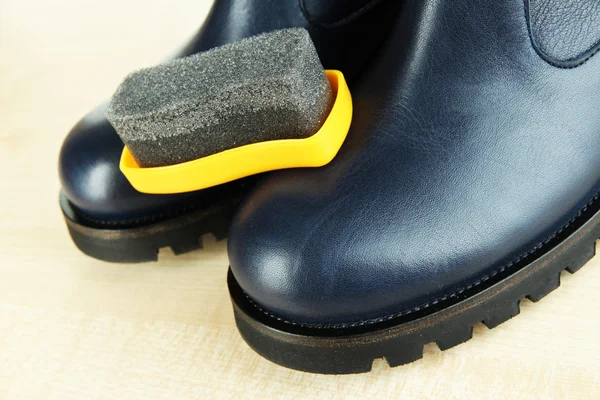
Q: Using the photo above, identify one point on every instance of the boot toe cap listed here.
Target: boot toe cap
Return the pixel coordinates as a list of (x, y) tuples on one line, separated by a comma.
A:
[(92, 181), (89, 167), (310, 267)]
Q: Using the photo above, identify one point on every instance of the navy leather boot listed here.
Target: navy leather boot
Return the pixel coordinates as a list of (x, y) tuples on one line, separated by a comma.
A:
[(110, 220), (469, 180)]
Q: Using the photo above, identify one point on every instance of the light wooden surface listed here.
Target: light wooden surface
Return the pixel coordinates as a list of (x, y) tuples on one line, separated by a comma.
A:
[(75, 328)]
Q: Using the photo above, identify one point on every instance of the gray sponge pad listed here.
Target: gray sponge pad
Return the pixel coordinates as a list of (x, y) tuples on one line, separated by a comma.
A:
[(267, 87)]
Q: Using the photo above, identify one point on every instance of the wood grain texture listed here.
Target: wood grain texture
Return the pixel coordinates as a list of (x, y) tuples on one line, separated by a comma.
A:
[(75, 328)]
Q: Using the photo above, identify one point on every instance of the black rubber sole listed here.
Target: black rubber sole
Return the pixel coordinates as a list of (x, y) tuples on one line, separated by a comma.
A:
[(182, 234), (401, 341)]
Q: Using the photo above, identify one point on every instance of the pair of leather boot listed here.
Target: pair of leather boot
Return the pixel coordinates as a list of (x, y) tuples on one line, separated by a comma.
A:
[(470, 179)]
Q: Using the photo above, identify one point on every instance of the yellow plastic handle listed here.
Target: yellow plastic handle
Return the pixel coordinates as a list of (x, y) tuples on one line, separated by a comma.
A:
[(226, 166)]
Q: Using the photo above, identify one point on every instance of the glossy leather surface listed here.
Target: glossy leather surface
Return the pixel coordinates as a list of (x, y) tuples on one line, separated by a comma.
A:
[(565, 30), (467, 151), (89, 159)]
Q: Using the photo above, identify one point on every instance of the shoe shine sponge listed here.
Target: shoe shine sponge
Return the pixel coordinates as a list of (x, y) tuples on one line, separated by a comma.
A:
[(255, 105)]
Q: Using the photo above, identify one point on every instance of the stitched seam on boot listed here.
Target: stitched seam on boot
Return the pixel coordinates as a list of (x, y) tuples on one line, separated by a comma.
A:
[(423, 306), (147, 218), (567, 64)]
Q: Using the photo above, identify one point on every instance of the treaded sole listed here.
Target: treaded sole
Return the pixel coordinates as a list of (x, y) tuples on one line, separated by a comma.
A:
[(141, 244), (347, 351)]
